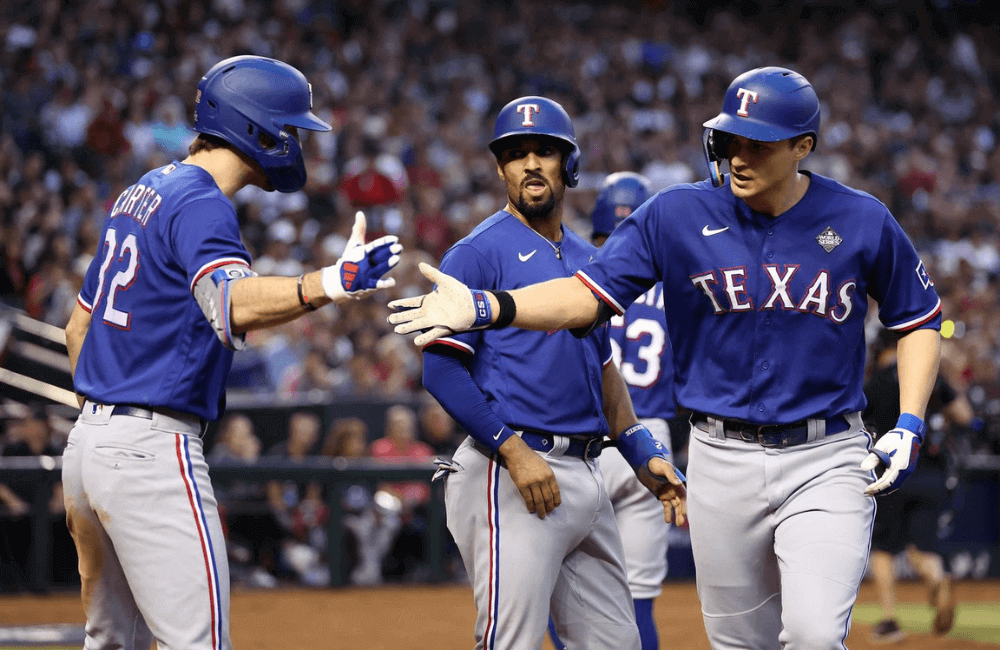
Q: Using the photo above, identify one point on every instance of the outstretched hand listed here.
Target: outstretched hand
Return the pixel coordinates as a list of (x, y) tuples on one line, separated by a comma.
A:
[(359, 270), (667, 483), (449, 308)]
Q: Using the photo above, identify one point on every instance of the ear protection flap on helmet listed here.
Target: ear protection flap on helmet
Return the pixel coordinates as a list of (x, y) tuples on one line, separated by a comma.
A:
[(716, 150)]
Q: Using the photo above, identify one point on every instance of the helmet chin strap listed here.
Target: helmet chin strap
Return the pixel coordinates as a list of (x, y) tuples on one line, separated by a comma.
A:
[(715, 172), (713, 160)]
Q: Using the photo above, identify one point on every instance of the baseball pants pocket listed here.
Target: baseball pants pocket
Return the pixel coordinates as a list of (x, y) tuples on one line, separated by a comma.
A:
[(121, 452)]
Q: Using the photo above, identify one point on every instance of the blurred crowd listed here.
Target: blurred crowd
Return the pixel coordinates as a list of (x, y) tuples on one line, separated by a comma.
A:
[(276, 530), (93, 93)]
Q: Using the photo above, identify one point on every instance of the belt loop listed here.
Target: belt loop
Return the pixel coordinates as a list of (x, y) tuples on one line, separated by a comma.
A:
[(816, 429), (559, 445), (854, 421), (716, 428)]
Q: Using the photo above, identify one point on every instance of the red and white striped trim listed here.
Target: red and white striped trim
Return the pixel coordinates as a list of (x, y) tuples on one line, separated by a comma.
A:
[(600, 293), (453, 343), (211, 266), (916, 322), (87, 307)]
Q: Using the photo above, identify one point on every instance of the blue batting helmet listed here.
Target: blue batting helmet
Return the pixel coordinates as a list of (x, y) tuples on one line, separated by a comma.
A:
[(764, 104), (621, 193), (534, 115), (242, 98)]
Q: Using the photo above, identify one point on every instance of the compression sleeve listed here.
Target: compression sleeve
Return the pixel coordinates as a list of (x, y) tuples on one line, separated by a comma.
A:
[(448, 380)]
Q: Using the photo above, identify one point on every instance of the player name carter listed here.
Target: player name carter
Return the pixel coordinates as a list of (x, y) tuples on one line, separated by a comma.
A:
[(818, 298), (137, 201)]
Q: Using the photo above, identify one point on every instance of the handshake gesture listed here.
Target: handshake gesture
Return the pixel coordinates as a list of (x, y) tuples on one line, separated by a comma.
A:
[(359, 270), (450, 308)]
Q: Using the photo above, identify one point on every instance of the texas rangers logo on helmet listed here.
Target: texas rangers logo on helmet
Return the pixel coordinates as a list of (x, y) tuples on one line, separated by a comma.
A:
[(528, 109), (746, 97)]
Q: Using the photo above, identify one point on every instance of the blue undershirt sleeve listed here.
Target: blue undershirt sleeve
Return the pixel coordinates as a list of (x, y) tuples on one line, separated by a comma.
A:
[(447, 378)]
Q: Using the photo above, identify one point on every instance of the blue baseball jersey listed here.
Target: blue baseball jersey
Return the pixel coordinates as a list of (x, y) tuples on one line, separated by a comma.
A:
[(642, 349), (545, 381), (149, 342), (766, 314)]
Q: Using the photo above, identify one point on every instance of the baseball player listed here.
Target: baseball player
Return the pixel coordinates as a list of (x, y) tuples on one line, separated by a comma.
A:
[(642, 353), (524, 497), (766, 276), (167, 300)]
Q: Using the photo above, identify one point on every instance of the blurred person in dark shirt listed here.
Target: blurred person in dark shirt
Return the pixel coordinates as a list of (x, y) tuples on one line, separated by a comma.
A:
[(253, 534), (437, 428), (299, 506), (907, 519), (371, 528), (31, 436)]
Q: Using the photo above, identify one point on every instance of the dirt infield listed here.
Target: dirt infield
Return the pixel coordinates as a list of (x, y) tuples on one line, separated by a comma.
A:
[(432, 618)]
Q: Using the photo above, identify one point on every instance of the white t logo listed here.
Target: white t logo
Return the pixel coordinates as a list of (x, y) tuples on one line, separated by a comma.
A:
[(528, 109), (746, 96)]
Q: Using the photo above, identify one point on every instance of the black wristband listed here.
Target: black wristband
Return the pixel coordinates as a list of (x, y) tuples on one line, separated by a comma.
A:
[(302, 296), (507, 310)]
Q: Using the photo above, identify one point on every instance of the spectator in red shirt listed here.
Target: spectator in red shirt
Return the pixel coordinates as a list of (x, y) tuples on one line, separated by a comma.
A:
[(400, 444)]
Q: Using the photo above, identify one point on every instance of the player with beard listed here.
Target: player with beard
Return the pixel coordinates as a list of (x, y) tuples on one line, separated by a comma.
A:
[(524, 496), (769, 272)]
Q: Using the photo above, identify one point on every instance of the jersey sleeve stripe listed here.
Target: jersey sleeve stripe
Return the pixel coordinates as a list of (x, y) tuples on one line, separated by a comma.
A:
[(211, 266), (452, 343), (600, 293), (917, 322), (85, 305)]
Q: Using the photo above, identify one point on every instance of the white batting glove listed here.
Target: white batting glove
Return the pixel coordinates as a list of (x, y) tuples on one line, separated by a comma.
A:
[(897, 450), (451, 307), (359, 270)]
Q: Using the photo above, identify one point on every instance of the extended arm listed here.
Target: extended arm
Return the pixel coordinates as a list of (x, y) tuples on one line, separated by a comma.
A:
[(563, 303), (260, 302)]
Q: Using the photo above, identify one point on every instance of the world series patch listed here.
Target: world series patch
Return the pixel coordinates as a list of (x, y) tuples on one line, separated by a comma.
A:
[(829, 239)]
